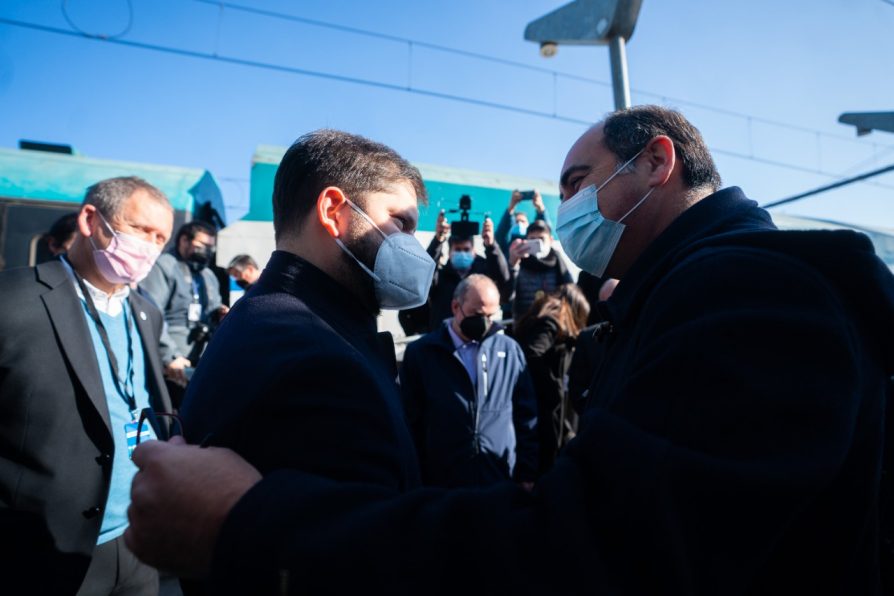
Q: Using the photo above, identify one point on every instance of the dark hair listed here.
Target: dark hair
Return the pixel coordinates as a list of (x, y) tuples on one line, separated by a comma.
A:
[(194, 227), (625, 132), (240, 262), (326, 157), (567, 306), (454, 240), (538, 225), (62, 229)]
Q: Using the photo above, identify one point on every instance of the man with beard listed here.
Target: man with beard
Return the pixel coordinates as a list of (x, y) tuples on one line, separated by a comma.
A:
[(731, 443), (322, 395)]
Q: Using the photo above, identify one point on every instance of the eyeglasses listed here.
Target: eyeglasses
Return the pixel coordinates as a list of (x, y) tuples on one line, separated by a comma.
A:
[(150, 415)]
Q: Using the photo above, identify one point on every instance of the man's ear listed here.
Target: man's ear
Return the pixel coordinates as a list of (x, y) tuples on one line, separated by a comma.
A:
[(87, 220), (454, 307), (662, 158), (330, 201)]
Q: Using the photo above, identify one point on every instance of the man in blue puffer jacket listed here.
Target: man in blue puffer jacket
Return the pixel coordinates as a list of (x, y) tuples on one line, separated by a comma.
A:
[(469, 400)]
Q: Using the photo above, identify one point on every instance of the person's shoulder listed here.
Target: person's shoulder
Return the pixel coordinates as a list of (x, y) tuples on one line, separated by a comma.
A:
[(502, 341), (279, 321), (17, 278), (21, 290), (432, 338), (743, 277), (33, 280), (145, 305), (743, 259), (166, 262)]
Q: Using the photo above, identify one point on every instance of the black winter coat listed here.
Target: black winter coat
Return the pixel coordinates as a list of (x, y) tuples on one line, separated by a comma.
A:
[(295, 378), (731, 444)]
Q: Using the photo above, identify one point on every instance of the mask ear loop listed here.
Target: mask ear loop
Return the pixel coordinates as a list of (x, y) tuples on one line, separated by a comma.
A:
[(363, 214), (640, 202), (108, 227), (621, 169), (348, 251), (358, 261)]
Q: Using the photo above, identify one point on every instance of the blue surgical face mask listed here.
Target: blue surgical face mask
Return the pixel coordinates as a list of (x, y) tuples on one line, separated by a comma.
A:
[(587, 237), (518, 230), (462, 260)]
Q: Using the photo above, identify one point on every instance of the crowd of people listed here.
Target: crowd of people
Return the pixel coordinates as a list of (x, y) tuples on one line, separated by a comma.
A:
[(703, 412)]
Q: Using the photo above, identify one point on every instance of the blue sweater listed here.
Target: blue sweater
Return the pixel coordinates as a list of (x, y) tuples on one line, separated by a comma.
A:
[(114, 520)]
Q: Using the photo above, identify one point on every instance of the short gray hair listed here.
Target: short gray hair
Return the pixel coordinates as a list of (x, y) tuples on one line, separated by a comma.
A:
[(109, 195), (476, 279)]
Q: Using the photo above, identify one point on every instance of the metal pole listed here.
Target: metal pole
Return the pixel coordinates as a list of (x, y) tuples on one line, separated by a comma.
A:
[(838, 184), (620, 84)]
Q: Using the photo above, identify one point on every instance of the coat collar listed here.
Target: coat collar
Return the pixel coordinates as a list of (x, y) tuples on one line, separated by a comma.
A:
[(725, 211), (334, 303)]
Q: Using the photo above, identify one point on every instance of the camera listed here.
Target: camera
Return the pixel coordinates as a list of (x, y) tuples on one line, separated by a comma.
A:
[(464, 228)]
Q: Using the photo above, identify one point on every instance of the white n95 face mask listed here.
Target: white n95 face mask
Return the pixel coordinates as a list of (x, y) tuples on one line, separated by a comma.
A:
[(403, 270), (587, 237)]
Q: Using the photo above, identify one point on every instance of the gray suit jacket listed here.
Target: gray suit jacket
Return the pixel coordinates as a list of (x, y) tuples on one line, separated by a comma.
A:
[(56, 445)]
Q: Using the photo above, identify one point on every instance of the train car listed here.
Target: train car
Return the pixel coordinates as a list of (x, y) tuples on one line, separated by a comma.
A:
[(39, 186)]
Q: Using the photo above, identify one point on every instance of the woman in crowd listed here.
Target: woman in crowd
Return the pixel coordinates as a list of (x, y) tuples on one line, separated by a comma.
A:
[(547, 333)]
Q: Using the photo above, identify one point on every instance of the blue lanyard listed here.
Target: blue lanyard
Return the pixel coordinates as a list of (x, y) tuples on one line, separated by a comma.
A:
[(125, 388)]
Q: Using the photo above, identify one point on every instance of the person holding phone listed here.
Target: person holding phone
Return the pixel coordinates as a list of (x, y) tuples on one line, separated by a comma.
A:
[(461, 262), (514, 222), (537, 269)]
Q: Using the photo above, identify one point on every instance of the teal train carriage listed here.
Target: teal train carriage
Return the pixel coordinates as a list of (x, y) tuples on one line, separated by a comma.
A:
[(37, 187)]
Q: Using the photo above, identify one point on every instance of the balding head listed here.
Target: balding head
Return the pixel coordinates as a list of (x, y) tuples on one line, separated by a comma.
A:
[(475, 296), (639, 147), (476, 287)]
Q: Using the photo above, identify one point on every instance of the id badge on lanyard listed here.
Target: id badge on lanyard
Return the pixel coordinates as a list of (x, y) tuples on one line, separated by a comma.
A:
[(130, 432), (194, 314)]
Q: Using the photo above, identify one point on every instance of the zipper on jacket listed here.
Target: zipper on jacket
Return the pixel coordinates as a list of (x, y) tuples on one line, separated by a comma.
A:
[(479, 400)]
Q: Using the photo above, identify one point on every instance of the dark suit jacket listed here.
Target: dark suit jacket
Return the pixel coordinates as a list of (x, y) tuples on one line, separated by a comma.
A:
[(56, 446), (295, 378)]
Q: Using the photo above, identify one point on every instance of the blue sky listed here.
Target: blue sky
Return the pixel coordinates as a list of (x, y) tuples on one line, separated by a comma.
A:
[(764, 80)]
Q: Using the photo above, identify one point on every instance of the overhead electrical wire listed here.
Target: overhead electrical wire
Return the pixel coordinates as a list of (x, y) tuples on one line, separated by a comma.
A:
[(121, 33), (407, 89), (485, 57)]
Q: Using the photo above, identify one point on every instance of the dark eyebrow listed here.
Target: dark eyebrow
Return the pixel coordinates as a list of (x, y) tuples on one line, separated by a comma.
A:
[(572, 170)]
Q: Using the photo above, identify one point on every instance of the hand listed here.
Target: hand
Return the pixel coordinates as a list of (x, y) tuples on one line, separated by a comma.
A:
[(514, 199), (526, 486), (222, 311), (538, 202), (179, 500), (487, 232), (442, 227), (517, 251), (174, 370)]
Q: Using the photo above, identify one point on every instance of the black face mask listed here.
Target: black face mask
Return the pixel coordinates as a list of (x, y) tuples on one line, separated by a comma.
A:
[(475, 327), (199, 259), (242, 284)]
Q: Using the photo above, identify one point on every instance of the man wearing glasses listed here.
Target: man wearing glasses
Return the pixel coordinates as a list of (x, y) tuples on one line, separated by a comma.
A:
[(731, 441), (79, 363), (469, 399)]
